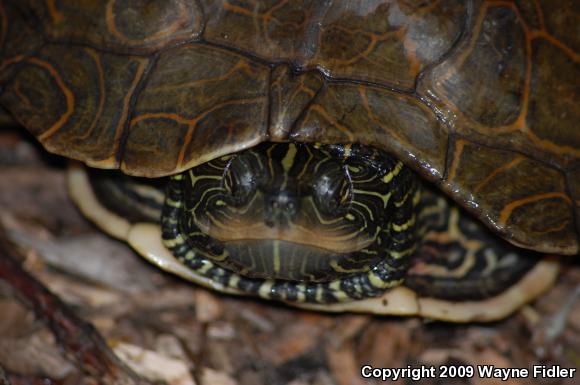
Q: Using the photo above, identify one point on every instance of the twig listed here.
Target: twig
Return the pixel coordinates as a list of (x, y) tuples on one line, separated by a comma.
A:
[(3, 378), (79, 339)]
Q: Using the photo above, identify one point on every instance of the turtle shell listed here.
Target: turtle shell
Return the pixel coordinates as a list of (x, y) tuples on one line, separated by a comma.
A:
[(481, 98)]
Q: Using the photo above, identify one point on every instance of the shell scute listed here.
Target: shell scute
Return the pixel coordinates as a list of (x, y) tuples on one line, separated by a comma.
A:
[(75, 100), (190, 113), (120, 25)]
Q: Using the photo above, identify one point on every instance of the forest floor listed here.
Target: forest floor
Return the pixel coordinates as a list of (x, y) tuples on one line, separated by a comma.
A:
[(166, 329)]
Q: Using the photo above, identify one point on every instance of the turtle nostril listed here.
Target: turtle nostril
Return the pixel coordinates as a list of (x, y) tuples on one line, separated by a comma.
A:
[(279, 209)]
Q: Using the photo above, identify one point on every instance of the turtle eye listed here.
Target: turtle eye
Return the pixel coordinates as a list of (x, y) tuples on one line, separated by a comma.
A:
[(240, 180), (331, 192), (240, 186)]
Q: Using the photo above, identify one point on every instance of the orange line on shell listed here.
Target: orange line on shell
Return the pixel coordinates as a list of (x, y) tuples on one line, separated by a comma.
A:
[(122, 121), (519, 124), (459, 144), (68, 94), (96, 58), (159, 35), (241, 66), (55, 14), (25, 100), (374, 40), (552, 40), (506, 212), (540, 15), (189, 135), (326, 116), (11, 61), (365, 102), (411, 54), (517, 160), (554, 229), (191, 123), (555, 148), (266, 19), (237, 9)]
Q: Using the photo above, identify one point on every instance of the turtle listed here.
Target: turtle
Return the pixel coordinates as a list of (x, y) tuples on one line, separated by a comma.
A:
[(387, 157)]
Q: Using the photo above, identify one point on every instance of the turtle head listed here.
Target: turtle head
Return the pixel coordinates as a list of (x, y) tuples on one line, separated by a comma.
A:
[(294, 211), (286, 192)]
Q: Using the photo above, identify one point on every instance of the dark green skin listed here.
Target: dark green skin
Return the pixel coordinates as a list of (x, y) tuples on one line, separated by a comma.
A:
[(479, 97)]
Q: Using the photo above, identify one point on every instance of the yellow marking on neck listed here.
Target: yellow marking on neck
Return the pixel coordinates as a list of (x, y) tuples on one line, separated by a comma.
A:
[(336, 267), (339, 294), (305, 165), (353, 169), (205, 268), (385, 198), (404, 226), (394, 172), (401, 254), (234, 280), (265, 290), (288, 160), (375, 280), (173, 203), (202, 197), (347, 150), (193, 179), (318, 295), (178, 240), (300, 290), (417, 197), (322, 220)]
